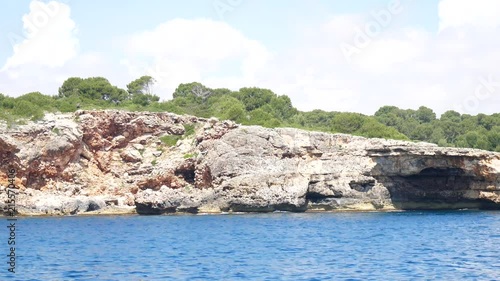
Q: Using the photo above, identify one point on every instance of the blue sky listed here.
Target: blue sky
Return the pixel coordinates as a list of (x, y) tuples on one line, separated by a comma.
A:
[(269, 21), (433, 53)]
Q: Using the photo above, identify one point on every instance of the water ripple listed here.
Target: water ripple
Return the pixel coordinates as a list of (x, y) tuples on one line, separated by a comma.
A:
[(333, 246)]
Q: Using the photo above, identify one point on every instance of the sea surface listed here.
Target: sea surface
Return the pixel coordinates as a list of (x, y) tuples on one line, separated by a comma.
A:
[(460, 245)]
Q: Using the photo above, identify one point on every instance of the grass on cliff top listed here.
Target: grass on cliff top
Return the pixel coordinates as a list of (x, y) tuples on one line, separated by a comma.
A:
[(171, 140)]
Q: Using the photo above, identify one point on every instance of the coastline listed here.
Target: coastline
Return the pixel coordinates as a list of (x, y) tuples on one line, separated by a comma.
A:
[(112, 162), (117, 213)]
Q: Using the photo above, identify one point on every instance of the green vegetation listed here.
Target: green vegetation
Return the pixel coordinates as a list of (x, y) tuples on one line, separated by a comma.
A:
[(189, 130), (256, 106), (140, 91), (452, 129), (170, 140), (190, 155)]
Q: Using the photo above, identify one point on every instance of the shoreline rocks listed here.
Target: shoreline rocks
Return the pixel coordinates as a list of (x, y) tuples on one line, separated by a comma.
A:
[(99, 162)]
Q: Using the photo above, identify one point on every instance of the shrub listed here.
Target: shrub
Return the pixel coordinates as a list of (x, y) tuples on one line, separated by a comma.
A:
[(27, 109), (189, 130)]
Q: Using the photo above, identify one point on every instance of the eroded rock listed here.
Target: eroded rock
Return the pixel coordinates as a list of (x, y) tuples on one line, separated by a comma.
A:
[(114, 161)]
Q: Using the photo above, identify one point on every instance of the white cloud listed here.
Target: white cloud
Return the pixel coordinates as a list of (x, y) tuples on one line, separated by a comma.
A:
[(406, 67), (49, 37), (46, 53), (460, 13), (180, 51), (384, 54), (401, 66), (42, 51)]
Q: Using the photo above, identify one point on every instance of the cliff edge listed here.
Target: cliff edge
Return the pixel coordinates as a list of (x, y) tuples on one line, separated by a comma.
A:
[(105, 162)]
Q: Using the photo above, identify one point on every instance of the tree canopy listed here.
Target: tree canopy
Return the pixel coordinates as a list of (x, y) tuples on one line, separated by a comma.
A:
[(93, 88), (140, 91), (257, 106)]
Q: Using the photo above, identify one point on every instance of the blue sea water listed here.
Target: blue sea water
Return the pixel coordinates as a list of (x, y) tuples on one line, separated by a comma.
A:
[(462, 245)]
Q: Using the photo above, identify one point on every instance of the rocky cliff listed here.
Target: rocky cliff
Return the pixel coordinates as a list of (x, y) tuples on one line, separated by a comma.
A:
[(104, 162)]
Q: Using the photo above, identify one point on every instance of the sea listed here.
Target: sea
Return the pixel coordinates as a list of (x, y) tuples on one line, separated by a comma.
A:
[(406, 245)]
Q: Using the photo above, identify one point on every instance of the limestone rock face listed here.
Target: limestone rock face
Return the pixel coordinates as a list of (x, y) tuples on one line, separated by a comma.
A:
[(131, 155), (100, 162)]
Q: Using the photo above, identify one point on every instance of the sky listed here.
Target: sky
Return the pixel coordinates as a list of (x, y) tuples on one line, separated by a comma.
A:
[(333, 55)]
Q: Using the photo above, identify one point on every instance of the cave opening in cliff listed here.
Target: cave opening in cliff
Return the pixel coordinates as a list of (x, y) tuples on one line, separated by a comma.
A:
[(187, 174), (433, 188), (434, 179), (93, 207)]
